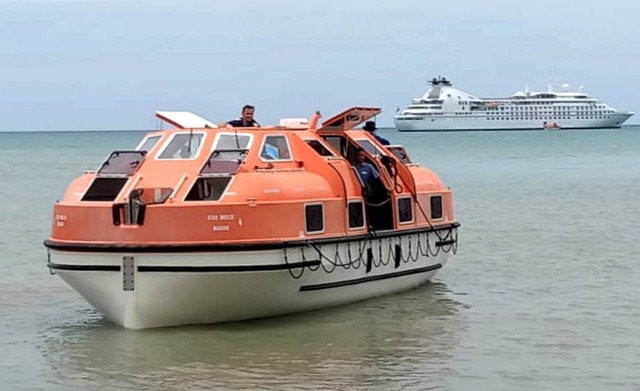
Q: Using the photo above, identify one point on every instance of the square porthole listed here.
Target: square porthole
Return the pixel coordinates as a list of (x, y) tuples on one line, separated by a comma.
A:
[(314, 218), (436, 207), (356, 215), (405, 210)]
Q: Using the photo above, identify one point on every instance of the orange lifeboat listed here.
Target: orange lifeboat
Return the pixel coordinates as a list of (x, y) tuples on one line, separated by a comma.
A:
[(202, 224), (550, 125)]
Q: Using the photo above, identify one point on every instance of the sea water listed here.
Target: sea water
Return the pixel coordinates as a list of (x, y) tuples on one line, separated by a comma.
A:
[(543, 293)]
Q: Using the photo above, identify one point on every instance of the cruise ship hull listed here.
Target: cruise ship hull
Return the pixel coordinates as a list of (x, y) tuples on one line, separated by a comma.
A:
[(480, 122), (445, 108)]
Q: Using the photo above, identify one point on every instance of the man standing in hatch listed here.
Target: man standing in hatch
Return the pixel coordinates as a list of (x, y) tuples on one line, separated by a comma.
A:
[(366, 171), (246, 120)]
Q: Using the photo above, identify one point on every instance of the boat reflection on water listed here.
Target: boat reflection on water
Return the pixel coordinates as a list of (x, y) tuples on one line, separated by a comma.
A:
[(389, 342)]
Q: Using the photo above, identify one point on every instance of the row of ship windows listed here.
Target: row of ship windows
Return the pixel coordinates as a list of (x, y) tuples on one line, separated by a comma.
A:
[(187, 145), (536, 108), (234, 145), (592, 104), (579, 115), (315, 222), (529, 109), (512, 118), (568, 115), (548, 118), (107, 189), (558, 108), (549, 110)]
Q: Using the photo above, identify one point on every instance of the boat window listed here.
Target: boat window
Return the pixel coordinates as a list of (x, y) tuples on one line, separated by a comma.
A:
[(356, 214), (182, 146), (314, 218), (151, 195), (224, 161), (319, 147), (208, 189), (148, 143), (369, 147), (344, 146), (405, 212), (227, 141), (104, 189), (338, 143), (436, 207), (121, 163), (275, 147), (400, 152)]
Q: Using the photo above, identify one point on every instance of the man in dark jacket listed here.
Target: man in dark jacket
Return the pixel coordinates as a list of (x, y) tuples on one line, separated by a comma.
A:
[(246, 121), (370, 127)]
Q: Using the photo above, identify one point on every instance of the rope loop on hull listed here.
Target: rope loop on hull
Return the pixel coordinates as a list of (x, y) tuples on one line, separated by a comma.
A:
[(330, 259)]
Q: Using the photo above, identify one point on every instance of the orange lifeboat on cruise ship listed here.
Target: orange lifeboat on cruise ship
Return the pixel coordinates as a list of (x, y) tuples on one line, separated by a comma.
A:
[(204, 224), (550, 125)]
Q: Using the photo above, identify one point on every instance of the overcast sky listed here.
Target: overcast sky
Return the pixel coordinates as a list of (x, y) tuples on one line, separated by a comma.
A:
[(76, 65)]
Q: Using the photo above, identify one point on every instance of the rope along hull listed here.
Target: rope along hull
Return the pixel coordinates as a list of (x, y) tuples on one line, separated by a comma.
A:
[(147, 289)]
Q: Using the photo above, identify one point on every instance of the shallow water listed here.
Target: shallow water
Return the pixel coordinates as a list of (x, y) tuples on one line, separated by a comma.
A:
[(543, 293)]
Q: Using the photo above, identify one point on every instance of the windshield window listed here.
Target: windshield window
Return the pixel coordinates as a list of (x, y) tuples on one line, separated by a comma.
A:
[(183, 146), (275, 148), (224, 161), (230, 150), (232, 141), (148, 143), (319, 147), (121, 163), (369, 147)]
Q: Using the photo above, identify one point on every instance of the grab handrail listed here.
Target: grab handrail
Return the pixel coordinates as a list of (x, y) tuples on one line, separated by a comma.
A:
[(178, 186)]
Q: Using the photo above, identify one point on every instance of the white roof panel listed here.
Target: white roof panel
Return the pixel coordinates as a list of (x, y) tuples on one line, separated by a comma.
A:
[(184, 119)]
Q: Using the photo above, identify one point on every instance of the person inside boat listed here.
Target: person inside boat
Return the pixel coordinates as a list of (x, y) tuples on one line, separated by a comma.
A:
[(370, 126), (379, 209), (246, 120), (367, 172)]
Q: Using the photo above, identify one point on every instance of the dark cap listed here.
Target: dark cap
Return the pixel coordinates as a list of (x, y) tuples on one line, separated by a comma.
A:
[(369, 126)]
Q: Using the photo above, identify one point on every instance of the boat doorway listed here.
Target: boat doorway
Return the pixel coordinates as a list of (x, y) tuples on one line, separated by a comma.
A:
[(379, 208)]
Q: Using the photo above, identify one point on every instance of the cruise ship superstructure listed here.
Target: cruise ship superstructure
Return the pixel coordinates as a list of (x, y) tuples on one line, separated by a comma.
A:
[(445, 108)]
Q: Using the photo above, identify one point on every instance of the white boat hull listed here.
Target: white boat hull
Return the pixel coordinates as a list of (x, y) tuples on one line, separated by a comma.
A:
[(480, 122), (144, 290)]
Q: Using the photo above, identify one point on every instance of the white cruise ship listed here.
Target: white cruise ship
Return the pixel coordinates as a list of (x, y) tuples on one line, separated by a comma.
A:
[(444, 108)]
